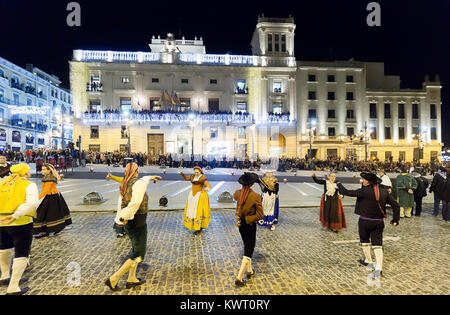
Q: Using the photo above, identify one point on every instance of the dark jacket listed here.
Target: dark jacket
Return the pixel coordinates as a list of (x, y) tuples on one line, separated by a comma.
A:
[(440, 186), (366, 204), (421, 190), (4, 170), (252, 209)]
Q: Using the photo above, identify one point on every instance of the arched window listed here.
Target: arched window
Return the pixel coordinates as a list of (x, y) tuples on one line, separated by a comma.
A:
[(16, 137), (2, 134), (29, 138)]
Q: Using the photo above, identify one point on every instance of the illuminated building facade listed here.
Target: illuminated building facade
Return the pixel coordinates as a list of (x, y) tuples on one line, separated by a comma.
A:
[(178, 99)]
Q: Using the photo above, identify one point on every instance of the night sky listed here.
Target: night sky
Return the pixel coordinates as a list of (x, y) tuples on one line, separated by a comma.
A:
[(413, 39)]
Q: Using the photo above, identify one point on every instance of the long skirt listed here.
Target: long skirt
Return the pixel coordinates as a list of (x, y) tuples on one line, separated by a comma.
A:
[(52, 215), (202, 215), (270, 215), (332, 213)]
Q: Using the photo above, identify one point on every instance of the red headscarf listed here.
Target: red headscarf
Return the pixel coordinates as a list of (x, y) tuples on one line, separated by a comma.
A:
[(131, 171)]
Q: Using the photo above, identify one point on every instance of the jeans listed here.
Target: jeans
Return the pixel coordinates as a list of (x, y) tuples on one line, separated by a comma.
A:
[(445, 210), (437, 202)]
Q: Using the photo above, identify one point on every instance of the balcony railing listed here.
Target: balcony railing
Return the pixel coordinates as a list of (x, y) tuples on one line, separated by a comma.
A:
[(279, 118), (94, 87), (17, 85), (30, 90), (28, 125), (123, 117)]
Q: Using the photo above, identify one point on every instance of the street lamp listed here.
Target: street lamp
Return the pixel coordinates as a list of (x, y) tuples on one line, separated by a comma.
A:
[(419, 138), (311, 134)]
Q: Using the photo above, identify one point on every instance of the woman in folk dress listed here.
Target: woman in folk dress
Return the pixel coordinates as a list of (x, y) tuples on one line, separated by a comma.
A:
[(270, 187), (197, 213)]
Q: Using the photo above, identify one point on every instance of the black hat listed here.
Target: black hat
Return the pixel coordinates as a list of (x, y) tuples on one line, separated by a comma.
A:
[(248, 179), (371, 177)]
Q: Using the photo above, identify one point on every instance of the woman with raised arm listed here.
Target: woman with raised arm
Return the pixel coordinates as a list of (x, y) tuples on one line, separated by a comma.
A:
[(331, 210), (197, 212)]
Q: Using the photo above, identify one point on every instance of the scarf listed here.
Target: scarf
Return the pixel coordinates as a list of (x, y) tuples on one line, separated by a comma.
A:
[(131, 171), (269, 182)]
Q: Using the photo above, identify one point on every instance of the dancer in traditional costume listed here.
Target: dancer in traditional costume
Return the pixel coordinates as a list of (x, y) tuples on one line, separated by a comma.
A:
[(19, 199), (371, 207), (53, 214), (270, 203), (331, 210), (406, 184), (248, 212), (197, 212), (132, 214)]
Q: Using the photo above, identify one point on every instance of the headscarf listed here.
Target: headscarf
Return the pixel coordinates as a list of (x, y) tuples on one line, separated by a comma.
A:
[(131, 171), (269, 181), (17, 172), (53, 176), (199, 168)]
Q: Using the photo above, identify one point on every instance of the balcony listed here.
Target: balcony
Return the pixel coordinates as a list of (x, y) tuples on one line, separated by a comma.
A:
[(31, 125), (167, 117), (279, 118), (94, 87), (42, 95), (17, 85), (30, 90)]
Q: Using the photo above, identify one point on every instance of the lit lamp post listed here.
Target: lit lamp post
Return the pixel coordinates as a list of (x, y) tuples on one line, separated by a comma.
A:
[(311, 134), (419, 138), (365, 138)]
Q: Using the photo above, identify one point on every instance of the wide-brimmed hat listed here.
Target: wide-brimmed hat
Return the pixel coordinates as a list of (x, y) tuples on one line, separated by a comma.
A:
[(248, 179), (371, 177)]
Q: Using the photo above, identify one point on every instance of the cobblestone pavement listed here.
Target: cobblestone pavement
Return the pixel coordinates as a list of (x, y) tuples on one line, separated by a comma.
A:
[(299, 257)]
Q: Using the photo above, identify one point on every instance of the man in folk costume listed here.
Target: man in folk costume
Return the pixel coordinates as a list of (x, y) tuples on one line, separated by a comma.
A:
[(19, 198), (406, 184), (371, 207), (331, 210), (248, 212), (132, 213), (270, 203), (197, 212)]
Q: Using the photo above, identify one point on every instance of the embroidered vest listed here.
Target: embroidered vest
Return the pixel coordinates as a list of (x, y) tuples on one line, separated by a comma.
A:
[(140, 218)]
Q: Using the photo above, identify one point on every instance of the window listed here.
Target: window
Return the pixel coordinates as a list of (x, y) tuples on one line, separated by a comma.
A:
[(311, 95), (350, 114), (16, 137), (331, 96), (241, 107), (332, 132), (312, 114), (277, 108), (350, 132), (269, 42), (2, 114), (277, 42), (331, 114), (433, 114), (95, 106), (16, 99), (213, 132), (2, 95), (241, 87), (283, 43), (350, 96), (387, 133), (241, 132), (350, 79), (125, 79), (185, 104), (331, 78), (415, 131), (154, 104), (373, 110), (415, 111), (401, 133), (94, 132), (373, 155), (29, 102), (94, 147), (388, 155), (387, 111), (155, 80), (433, 133), (213, 105), (311, 78), (125, 104), (402, 156), (277, 87), (29, 138), (373, 133), (41, 141), (123, 132), (213, 81), (401, 111), (184, 81)]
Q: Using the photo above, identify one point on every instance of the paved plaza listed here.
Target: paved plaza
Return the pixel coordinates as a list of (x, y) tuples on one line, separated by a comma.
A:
[(299, 257)]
